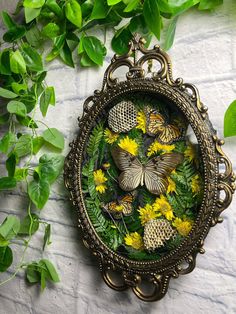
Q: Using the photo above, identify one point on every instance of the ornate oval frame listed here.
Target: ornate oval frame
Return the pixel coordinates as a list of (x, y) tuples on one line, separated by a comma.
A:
[(185, 96)]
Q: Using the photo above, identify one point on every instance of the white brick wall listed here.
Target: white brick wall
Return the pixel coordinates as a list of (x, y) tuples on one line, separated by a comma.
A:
[(204, 53)]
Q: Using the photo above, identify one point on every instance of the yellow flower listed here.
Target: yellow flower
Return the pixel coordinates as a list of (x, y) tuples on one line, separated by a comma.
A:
[(135, 240), (171, 186), (147, 213), (190, 152), (110, 137), (141, 120), (99, 180), (183, 226), (162, 205), (158, 147), (106, 165), (196, 184), (129, 145)]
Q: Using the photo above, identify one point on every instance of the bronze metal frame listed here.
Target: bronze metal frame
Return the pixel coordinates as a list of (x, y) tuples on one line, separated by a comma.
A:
[(185, 96)]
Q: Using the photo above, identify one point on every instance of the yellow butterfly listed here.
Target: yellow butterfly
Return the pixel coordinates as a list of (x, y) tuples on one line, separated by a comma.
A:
[(156, 125), (122, 205), (153, 174)]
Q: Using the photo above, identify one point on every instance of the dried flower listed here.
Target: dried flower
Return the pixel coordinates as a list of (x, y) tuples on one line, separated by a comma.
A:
[(162, 206), (183, 226), (135, 240), (147, 213), (196, 184), (110, 137), (99, 180), (190, 152), (158, 147), (129, 145), (141, 121)]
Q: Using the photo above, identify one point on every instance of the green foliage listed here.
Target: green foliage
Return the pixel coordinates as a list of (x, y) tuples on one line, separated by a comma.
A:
[(54, 137), (230, 120), (94, 140), (41, 272), (105, 228)]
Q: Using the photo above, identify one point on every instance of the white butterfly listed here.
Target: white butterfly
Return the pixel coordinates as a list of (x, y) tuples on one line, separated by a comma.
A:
[(153, 174)]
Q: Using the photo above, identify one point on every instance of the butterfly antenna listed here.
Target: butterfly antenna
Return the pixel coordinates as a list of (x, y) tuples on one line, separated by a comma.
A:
[(111, 176), (127, 231), (113, 220)]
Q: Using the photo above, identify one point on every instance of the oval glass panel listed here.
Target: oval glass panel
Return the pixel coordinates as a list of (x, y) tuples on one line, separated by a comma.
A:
[(142, 176)]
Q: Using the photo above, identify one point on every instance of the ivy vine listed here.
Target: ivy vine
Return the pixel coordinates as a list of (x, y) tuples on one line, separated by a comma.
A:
[(67, 26)]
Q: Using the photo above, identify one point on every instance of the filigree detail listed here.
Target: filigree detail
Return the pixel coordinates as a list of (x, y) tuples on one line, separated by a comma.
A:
[(184, 96)]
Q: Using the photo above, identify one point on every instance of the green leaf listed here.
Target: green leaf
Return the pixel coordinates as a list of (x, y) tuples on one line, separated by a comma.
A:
[(11, 164), (33, 4), (17, 62), (20, 174), (10, 227), (152, 16), (132, 5), (174, 7), (7, 141), (7, 20), (54, 137), (14, 33), (23, 146), (55, 8), (47, 98), (4, 118), (39, 192), (31, 14), (37, 144), (19, 88), (94, 49), (6, 258), (209, 4), (32, 58), (230, 120), (58, 45), (113, 2), (5, 62), (85, 61), (33, 274), (51, 30), (27, 121), (100, 10), (34, 37), (87, 8), (7, 183), (51, 270), (73, 12), (47, 235), (66, 55), (3, 242), (170, 33), (29, 225), (50, 166), (17, 107), (121, 40)]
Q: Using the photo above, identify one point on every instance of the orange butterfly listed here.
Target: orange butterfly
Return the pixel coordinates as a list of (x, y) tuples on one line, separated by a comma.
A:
[(157, 125), (122, 206)]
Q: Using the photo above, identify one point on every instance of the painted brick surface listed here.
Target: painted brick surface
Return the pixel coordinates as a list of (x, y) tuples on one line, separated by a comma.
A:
[(204, 53)]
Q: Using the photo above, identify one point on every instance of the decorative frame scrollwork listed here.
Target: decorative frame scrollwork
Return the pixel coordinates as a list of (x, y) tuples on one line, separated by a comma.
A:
[(186, 97)]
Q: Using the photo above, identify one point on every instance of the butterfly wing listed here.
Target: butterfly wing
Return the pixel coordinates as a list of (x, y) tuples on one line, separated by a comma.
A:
[(154, 183), (169, 134), (157, 169), (131, 167), (126, 201), (154, 122)]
